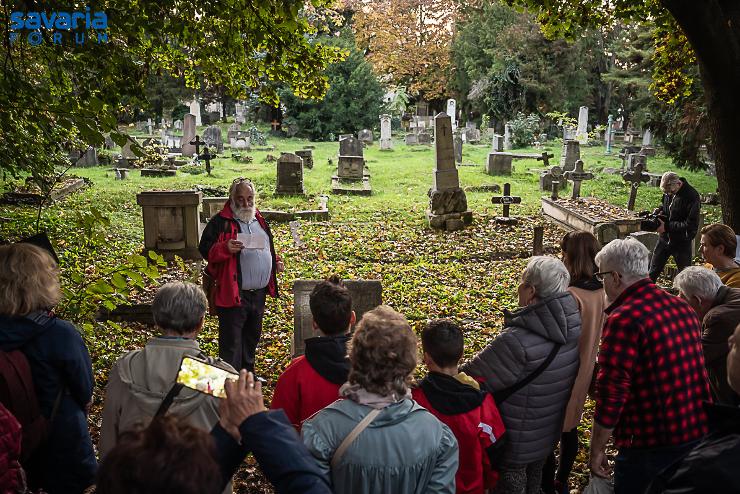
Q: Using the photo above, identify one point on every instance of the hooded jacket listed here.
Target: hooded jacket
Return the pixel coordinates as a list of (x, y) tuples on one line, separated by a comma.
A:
[(682, 211), (312, 381), (534, 414), (141, 379), (59, 361), (473, 418), (405, 450), (225, 267)]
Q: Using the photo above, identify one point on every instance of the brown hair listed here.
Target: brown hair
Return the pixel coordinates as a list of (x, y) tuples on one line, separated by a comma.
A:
[(168, 456), (29, 280), (579, 251), (383, 352), (719, 234)]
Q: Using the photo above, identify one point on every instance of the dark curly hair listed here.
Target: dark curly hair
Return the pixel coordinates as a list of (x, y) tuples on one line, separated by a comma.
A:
[(383, 352), (331, 306)]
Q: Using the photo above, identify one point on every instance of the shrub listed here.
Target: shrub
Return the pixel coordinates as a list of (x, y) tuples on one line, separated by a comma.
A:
[(524, 129)]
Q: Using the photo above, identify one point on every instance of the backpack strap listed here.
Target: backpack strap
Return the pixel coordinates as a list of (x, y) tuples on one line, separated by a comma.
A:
[(353, 435), (502, 395), (168, 399)]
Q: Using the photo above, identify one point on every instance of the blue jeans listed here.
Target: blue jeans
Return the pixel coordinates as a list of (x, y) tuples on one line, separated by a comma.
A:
[(635, 468)]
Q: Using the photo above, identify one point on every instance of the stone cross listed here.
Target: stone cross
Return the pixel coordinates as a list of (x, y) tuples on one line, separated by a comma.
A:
[(545, 158), (207, 156), (506, 199), (275, 124), (635, 177), (197, 143), (577, 176)]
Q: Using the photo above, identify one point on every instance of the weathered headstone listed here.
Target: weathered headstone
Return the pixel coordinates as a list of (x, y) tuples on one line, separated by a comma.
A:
[(289, 175), (499, 163), (411, 139), (507, 200), (385, 132), (472, 135), (497, 143), (448, 205), (351, 162), (647, 144), (507, 137), (366, 136), (635, 159), (571, 154), (89, 158), (634, 177), (424, 138), (366, 295), (178, 124), (212, 137), (188, 134), (577, 175), (608, 134), (307, 156), (458, 144), (551, 175), (452, 112), (171, 223), (582, 130), (195, 111)]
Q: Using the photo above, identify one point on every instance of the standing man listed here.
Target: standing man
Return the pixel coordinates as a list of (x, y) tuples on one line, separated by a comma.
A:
[(652, 381), (237, 243), (680, 205)]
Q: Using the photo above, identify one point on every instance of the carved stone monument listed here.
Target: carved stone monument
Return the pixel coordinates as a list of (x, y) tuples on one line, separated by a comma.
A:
[(289, 175), (171, 224)]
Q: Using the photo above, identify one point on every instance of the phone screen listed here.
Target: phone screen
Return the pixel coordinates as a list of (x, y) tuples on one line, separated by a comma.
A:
[(204, 377)]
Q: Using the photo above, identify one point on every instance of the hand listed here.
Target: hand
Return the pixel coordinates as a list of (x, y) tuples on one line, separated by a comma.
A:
[(234, 246), (280, 266), (243, 399), (599, 464), (661, 226)]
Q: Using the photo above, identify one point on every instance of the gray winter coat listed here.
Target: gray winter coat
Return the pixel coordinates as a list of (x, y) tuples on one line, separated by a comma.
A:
[(533, 415), (405, 450)]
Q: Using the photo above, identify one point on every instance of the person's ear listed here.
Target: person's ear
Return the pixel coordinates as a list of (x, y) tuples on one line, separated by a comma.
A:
[(200, 324), (315, 326), (427, 359)]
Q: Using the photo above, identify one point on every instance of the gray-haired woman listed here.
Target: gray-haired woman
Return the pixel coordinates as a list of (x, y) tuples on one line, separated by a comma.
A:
[(530, 367)]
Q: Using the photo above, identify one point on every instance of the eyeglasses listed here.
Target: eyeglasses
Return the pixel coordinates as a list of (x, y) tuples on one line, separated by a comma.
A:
[(602, 274), (241, 180)]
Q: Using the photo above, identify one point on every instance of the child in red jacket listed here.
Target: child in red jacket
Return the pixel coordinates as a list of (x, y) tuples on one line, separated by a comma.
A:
[(312, 381), (457, 401)]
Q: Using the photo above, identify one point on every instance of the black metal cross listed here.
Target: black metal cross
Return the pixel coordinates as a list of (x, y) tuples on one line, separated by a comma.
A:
[(506, 199), (207, 156), (197, 143), (545, 158)]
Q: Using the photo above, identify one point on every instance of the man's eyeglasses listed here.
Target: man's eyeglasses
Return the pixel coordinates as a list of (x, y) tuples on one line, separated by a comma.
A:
[(602, 274)]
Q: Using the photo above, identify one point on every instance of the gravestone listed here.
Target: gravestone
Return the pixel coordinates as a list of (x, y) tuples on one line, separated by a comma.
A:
[(448, 205), (289, 175), (577, 175), (571, 154), (233, 127), (647, 144), (212, 137), (366, 295), (195, 111), (452, 112), (569, 133), (472, 135), (351, 168), (550, 176), (582, 130), (424, 138), (109, 143), (178, 124), (210, 206), (634, 177), (507, 137), (497, 143), (365, 136), (307, 156), (635, 159), (90, 158), (411, 139), (385, 132), (149, 126), (188, 134), (608, 136), (499, 163), (506, 200), (171, 225), (458, 143)]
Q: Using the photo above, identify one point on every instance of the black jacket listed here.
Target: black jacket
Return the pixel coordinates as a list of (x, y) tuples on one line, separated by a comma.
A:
[(682, 211), (712, 466)]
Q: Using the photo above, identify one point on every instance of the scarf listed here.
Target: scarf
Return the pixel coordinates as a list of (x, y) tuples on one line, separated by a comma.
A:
[(361, 396)]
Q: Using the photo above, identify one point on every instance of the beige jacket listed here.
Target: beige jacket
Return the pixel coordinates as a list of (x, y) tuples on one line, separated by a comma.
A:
[(592, 304)]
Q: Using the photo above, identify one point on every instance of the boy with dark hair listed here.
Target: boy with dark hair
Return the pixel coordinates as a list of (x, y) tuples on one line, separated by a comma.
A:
[(312, 381), (457, 401)]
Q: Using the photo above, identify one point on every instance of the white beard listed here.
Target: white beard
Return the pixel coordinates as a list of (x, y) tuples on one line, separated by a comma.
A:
[(243, 214)]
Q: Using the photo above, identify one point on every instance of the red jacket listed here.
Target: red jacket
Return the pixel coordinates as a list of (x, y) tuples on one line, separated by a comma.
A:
[(10, 452), (312, 381), (475, 421), (224, 266)]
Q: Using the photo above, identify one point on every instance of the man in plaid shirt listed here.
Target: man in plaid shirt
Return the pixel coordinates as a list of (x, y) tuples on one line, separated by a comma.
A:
[(652, 380)]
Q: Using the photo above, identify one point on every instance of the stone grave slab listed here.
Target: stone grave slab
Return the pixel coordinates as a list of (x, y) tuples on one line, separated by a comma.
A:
[(289, 175), (597, 216), (499, 163), (307, 157), (158, 172)]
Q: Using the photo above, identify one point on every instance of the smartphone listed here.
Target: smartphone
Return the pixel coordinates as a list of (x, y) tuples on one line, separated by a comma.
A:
[(204, 377)]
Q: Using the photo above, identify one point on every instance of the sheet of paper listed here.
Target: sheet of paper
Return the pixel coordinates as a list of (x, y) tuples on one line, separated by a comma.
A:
[(252, 241)]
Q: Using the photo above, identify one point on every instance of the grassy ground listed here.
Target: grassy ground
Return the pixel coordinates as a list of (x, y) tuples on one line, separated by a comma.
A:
[(470, 276)]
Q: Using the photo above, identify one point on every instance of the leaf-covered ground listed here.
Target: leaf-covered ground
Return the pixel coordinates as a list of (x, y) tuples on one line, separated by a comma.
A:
[(470, 276)]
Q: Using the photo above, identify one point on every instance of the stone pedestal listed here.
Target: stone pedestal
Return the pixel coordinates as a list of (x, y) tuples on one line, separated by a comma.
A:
[(171, 225), (499, 163)]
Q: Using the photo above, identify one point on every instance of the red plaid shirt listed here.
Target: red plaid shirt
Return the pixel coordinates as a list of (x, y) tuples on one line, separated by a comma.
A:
[(652, 380)]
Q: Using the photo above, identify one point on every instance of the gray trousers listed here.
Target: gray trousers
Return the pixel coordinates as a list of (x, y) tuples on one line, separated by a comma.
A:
[(525, 479)]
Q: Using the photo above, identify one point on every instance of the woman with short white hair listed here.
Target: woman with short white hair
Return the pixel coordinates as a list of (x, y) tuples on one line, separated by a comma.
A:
[(530, 367)]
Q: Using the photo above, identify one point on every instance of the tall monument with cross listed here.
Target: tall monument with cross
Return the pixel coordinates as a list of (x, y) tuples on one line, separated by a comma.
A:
[(578, 175), (448, 205)]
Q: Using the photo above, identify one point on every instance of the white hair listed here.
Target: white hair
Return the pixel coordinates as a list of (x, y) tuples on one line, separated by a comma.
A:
[(548, 275), (629, 257), (669, 178), (698, 281)]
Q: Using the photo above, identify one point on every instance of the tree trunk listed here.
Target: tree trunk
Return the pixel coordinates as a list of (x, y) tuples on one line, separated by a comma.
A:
[(713, 29)]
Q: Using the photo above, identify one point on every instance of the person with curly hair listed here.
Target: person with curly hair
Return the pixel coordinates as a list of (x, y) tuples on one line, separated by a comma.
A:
[(378, 439)]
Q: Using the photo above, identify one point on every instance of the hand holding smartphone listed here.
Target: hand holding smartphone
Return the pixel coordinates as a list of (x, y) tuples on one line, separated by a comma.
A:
[(201, 376)]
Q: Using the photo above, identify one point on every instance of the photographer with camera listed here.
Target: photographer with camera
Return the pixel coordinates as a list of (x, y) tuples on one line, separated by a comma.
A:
[(677, 223)]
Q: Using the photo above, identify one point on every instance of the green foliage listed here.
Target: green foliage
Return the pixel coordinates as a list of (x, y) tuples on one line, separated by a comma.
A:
[(397, 106), (352, 103), (153, 156), (524, 129), (256, 137)]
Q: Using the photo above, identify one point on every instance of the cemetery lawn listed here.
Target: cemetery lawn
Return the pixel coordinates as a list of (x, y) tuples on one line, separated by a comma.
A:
[(470, 276)]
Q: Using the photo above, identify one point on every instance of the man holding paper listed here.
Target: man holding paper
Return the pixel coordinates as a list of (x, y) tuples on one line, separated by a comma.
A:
[(237, 243)]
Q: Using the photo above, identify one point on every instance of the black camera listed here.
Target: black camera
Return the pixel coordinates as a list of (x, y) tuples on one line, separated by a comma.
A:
[(651, 221)]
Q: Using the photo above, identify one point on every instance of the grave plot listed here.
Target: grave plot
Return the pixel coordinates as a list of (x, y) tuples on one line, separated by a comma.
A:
[(606, 221), (352, 176), (31, 193)]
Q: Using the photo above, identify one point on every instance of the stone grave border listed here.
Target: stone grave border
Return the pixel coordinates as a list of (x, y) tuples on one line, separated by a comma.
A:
[(604, 231), (34, 198)]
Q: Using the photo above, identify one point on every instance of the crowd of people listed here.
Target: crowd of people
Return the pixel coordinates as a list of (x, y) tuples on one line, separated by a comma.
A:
[(349, 416)]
